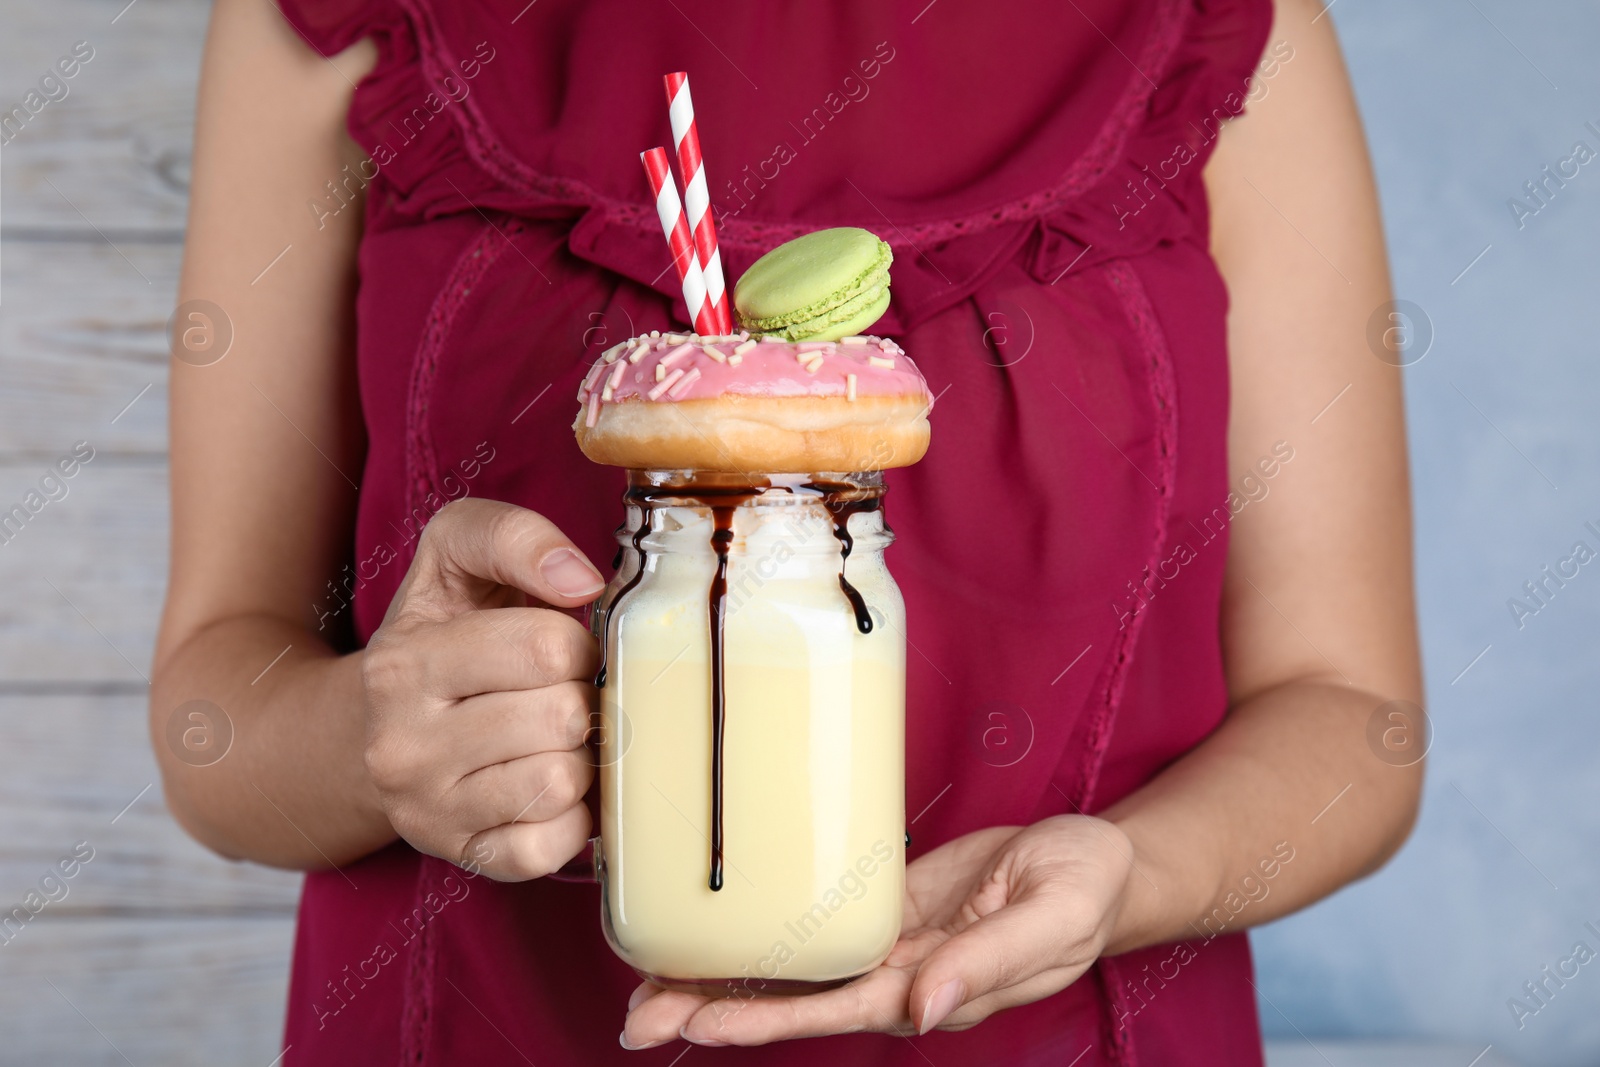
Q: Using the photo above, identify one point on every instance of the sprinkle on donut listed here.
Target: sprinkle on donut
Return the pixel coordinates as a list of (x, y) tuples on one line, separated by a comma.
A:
[(663, 368)]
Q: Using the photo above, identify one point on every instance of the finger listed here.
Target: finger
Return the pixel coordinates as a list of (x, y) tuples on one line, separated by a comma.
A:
[(472, 548), (659, 1016), (645, 991), (938, 881), (489, 651), (531, 789), (519, 851), (874, 1002), (498, 727), (1041, 985), (1008, 948)]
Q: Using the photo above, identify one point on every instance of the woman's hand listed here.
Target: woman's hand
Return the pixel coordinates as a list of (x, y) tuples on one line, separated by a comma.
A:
[(997, 918), (477, 705)]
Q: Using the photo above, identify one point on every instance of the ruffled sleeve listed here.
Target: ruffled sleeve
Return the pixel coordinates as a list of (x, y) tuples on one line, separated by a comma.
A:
[(331, 26), (1153, 193)]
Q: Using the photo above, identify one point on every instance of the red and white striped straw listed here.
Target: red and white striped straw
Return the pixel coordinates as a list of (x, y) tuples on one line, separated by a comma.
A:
[(697, 195), (676, 229)]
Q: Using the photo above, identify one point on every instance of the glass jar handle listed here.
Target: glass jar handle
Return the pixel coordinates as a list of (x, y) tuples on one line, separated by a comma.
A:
[(584, 868)]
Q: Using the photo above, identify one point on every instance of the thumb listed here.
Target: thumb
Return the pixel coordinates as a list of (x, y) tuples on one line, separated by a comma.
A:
[(473, 546), (1019, 943)]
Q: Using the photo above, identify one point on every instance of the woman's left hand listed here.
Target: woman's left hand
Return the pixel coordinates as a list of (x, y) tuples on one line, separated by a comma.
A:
[(997, 918)]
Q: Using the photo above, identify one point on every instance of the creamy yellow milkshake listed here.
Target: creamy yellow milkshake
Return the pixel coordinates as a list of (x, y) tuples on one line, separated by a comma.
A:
[(813, 814)]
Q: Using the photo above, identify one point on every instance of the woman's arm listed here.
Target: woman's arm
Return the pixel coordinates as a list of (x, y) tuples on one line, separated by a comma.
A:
[(262, 444), (461, 725), (1318, 624)]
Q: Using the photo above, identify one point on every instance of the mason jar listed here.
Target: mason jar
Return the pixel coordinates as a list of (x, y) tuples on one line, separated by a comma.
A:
[(752, 760)]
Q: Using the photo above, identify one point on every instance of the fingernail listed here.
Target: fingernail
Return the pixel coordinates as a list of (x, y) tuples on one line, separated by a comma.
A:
[(622, 1039), (941, 1002), (570, 574), (640, 995), (683, 1032)]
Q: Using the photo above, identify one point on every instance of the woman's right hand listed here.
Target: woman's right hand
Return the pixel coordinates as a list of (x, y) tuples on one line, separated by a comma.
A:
[(477, 705)]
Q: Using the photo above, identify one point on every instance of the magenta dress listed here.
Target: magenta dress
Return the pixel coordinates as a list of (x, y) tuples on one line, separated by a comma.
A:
[(1037, 169)]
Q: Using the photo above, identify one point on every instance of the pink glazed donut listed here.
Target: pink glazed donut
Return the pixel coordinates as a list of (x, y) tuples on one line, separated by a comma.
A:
[(737, 404)]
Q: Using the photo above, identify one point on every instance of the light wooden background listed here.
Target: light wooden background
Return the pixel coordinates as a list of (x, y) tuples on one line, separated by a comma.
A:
[(160, 954)]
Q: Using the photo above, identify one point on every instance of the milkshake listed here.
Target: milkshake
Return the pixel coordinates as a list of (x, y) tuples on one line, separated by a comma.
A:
[(752, 678), (787, 866)]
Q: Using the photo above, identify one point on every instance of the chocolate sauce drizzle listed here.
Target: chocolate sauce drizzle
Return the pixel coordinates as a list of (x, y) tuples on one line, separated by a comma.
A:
[(721, 538), (842, 508), (633, 495), (842, 499)]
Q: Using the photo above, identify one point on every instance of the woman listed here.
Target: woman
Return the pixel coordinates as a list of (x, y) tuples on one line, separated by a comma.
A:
[(1160, 544)]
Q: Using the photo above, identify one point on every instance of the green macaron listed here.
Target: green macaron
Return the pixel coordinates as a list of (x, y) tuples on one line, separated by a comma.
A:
[(820, 287)]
